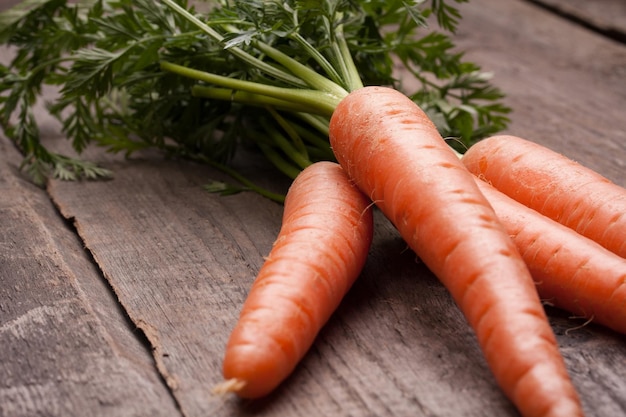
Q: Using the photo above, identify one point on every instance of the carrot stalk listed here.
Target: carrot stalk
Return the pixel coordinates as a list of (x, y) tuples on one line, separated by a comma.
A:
[(320, 250), (396, 156), (554, 185), (570, 271)]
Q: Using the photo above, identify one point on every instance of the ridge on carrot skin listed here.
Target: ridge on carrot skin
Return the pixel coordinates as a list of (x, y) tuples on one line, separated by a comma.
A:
[(319, 252), (571, 271), (553, 185)]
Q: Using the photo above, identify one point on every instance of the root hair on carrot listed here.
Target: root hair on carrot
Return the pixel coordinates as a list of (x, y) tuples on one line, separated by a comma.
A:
[(549, 302), (369, 207), (483, 178), (228, 386), (585, 324), (457, 140)]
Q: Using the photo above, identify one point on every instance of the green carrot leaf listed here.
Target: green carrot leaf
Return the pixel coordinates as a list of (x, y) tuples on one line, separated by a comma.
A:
[(196, 81)]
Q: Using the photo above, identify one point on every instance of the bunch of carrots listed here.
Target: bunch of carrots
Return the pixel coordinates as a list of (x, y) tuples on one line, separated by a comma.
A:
[(505, 227), (498, 257)]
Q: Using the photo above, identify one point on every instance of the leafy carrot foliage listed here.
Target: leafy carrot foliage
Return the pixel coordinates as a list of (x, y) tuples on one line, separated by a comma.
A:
[(104, 61)]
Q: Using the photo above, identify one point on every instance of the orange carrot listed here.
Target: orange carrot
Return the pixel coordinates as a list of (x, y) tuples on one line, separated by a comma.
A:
[(570, 271), (321, 248), (394, 153), (554, 185)]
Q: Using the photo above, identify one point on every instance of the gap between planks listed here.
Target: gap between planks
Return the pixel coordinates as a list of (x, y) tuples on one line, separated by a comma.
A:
[(602, 25), (146, 334)]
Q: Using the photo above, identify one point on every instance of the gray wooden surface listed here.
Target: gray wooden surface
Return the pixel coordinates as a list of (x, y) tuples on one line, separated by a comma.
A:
[(117, 297), (604, 16)]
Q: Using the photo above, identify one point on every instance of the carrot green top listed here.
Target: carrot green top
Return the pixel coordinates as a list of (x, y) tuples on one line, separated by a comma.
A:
[(200, 81)]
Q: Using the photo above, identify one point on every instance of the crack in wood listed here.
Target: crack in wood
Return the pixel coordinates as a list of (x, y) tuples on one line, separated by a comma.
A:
[(584, 20), (146, 334), (151, 334)]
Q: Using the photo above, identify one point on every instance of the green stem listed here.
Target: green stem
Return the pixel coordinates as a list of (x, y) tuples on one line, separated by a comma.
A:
[(280, 198), (290, 131), (281, 141), (238, 52), (319, 123), (324, 102), (351, 73), (318, 57), (252, 99), (48, 63), (308, 75), (316, 141), (303, 72), (279, 162)]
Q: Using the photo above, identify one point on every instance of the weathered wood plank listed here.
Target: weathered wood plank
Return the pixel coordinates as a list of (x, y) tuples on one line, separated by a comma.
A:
[(608, 16), (178, 258), (180, 261), (65, 347), (397, 345), (6, 4), (565, 83)]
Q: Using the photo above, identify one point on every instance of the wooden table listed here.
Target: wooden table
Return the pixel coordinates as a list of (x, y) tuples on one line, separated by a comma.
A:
[(117, 297)]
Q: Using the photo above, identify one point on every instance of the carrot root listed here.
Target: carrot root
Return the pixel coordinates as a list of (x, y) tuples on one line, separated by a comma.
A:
[(395, 155), (321, 248), (571, 271), (553, 185), (230, 385)]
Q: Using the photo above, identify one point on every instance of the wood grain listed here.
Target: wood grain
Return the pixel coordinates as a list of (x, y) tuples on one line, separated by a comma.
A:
[(168, 266), (65, 346), (565, 83), (178, 259), (181, 261), (605, 16)]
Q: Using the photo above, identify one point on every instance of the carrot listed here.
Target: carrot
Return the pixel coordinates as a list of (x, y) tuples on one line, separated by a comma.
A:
[(321, 248), (570, 271), (394, 153), (554, 185)]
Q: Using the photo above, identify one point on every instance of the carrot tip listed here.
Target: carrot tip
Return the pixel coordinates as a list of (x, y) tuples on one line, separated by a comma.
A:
[(230, 385)]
